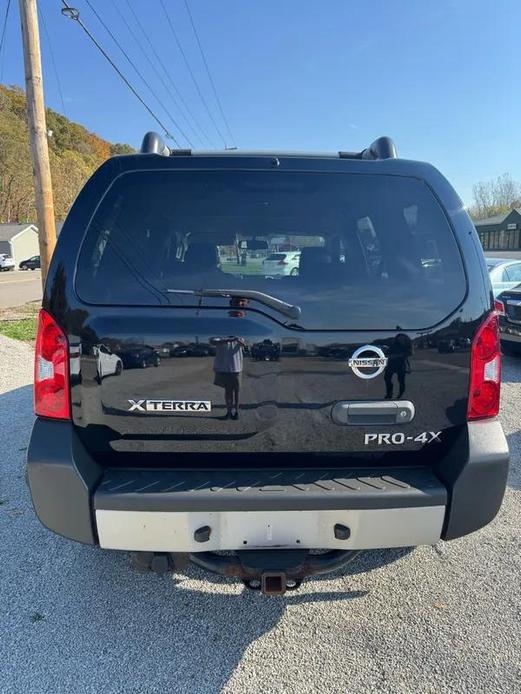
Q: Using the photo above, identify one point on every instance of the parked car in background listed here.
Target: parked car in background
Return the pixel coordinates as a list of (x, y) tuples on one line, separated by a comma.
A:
[(6, 262), (108, 363), (31, 263), (281, 264), (505, 273), (267, 350), (139, 357), (194, 349), (508, 306)]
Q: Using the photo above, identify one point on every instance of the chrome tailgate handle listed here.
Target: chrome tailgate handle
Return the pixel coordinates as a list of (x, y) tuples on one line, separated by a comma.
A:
[(356, 413)]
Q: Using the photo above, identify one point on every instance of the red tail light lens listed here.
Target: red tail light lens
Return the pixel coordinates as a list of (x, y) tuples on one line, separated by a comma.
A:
[(485, 371), (51, 370)]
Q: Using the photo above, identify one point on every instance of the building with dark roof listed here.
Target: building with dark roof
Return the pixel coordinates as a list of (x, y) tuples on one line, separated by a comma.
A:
[(500, 233)]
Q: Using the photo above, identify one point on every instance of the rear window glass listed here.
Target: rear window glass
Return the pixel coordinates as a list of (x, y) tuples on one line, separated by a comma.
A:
[(352, 251)]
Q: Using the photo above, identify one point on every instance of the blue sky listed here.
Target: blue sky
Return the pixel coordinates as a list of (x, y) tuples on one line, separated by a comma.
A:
[(441, 77)]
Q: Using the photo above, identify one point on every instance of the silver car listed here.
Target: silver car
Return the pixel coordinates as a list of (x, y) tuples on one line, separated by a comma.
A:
[(505, 273)]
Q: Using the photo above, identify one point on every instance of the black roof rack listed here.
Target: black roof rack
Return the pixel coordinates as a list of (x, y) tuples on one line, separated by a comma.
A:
[(382, 148)]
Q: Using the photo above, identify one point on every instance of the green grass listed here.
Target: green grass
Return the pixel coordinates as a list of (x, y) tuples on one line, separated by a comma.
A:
[(253, 267), (23, 329)]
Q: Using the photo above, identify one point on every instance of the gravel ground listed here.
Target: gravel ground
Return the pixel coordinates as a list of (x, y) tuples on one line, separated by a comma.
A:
[(75, 618)]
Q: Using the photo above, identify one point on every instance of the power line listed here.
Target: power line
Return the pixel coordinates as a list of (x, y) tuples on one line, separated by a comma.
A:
[(158, 75), (51, 52), (219, 104), (194, 80), (75, 15), (138, 72), (158, 58), (2, 39)]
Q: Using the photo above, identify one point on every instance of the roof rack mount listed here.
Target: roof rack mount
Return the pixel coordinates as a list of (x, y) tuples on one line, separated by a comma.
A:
[(153, 143), (382, 148)]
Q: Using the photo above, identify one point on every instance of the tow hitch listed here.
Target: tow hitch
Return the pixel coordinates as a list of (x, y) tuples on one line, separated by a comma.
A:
[(273, 571)]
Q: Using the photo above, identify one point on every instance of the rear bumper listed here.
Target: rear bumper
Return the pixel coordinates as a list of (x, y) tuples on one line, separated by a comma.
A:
[(160, 510), (164, 510)]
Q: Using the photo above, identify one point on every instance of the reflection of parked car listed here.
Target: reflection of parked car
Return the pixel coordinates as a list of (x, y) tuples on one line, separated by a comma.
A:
[(199, 349), (180, 351), (139, 357), (75, 352), (265, 351), (162, 351), (505, 273), (31, 263), (107, 362), (6, 262), (336, 351), (453, 344), (194, 349), (509, 309), (281, 263)]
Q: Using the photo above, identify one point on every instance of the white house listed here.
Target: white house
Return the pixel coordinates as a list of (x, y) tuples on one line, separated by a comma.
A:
[(20, 241)]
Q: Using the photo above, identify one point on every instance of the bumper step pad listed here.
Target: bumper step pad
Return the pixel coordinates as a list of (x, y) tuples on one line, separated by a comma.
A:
[(130, 489)]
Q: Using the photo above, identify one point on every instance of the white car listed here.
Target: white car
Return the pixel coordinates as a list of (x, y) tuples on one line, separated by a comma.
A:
[(6, 262), (281, 264), (107, 362), (505, 273)]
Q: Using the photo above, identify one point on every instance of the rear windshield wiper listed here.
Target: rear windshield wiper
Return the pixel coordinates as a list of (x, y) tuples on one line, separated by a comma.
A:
[(286, 309)]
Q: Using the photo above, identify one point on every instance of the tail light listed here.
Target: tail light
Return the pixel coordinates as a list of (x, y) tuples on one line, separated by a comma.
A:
[(485, 371), (499, 307), (51, 370)]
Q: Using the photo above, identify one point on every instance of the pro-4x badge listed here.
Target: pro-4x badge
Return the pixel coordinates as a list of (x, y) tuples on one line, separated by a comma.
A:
[(170, 406)]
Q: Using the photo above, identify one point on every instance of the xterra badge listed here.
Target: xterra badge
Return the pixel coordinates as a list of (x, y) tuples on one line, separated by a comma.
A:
[(170, 406), (377, 361)]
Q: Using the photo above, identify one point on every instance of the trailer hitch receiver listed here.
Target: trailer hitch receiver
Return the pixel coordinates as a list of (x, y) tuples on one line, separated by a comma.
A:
[(273, 571)]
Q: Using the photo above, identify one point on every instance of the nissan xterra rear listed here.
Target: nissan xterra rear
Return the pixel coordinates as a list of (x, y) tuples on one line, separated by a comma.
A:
[(355, 428)]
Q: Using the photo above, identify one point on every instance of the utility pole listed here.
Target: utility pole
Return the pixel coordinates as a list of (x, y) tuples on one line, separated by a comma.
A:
[(38, 133)]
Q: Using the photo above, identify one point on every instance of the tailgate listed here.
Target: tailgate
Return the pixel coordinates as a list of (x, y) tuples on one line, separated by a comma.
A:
[(190, 345)]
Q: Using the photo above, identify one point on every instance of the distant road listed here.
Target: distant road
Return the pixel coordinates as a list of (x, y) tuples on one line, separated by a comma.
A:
[(19, 287)]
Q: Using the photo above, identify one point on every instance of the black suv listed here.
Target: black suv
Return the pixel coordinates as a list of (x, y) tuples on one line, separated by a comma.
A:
[(32, 263), (364, 432)]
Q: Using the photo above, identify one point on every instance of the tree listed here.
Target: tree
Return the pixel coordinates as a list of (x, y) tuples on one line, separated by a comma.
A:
[(74, 153), (119, 148), (494, 197)]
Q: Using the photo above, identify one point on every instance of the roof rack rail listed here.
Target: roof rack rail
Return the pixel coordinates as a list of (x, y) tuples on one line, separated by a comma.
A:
[(382, 148), (154, 144)]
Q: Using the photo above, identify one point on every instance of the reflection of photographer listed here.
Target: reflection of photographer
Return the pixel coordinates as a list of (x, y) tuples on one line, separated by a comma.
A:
[(397, 363), (227, 366)]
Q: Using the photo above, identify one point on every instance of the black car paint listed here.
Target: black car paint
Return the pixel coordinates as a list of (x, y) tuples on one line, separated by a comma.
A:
[(137, 356), (30, 264), (299, 389)]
